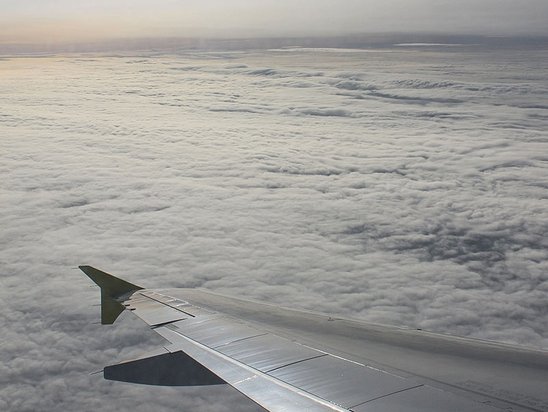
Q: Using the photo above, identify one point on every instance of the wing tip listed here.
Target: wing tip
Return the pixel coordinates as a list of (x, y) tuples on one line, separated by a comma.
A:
[(113, 291)]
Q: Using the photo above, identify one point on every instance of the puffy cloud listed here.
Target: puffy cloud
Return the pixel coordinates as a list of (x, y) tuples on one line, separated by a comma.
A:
[(405, 188)]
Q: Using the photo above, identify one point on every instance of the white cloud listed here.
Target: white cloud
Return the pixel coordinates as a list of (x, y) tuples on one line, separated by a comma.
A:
[(404, 188)]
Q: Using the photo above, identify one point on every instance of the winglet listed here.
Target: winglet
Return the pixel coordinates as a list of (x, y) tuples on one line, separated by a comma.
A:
[(112, 289)]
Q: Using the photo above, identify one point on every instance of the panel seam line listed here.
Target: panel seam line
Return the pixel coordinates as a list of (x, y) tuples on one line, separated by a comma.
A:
[(238, 340), (388, 394), (296, 362)]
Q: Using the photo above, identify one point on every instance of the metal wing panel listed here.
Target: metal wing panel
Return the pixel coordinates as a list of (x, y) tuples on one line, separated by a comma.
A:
[(343, 382), (485, 373), (270, 393), (423, 399), (201, 331), (268, 352), (155, 313), (214, 332)]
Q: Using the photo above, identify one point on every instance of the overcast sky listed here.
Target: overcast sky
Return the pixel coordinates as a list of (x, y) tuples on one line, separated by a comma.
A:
[(68, 20)]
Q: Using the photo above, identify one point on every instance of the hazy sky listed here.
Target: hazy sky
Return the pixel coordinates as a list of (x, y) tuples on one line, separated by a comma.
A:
[(69, 20)]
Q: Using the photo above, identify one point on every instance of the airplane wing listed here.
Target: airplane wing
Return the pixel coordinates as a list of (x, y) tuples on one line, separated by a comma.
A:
[(288, 360)]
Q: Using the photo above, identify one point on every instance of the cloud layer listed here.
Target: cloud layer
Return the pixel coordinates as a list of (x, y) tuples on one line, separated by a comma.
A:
[(402, 187)]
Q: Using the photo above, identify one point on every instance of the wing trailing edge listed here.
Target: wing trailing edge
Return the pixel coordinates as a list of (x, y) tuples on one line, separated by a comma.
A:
[(113, 292)]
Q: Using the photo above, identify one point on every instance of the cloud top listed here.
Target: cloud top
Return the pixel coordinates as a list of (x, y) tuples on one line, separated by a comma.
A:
[(405, 187)]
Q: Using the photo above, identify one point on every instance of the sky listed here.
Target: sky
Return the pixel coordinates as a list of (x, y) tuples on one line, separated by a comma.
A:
[(403, 186), (50, 21)]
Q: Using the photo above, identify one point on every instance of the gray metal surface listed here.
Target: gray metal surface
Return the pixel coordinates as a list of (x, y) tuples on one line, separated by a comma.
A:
[(342, 382), (153, 312), (214, 332), (270, 393), (268, 352), (423, 399), (485, 373), (291, 361)]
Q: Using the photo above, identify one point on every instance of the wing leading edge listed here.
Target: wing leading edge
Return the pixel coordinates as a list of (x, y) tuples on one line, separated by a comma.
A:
[(292, 361)]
